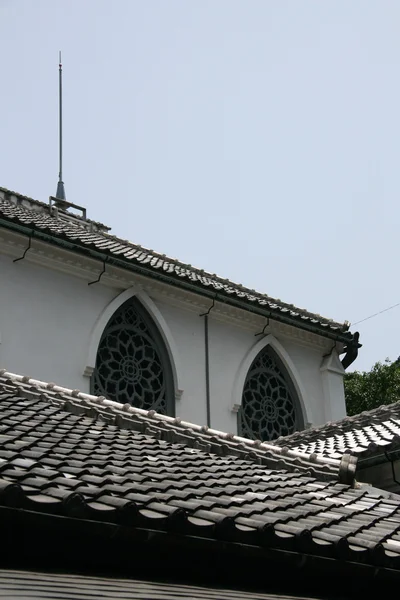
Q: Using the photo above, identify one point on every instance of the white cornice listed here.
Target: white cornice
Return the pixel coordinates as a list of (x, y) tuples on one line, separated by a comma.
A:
[(88, 269)]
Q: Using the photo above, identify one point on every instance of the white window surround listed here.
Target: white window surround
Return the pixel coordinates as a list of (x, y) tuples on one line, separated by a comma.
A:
[(268, 340), (173, 353), (105, 316)]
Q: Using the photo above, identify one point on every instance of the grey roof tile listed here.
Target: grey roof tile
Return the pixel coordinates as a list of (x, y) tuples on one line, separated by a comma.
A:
[(159, 426), (125, 476), (368, 434)]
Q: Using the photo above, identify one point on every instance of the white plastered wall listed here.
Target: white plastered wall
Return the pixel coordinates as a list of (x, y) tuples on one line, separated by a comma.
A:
[(46, 319), (50, 324)]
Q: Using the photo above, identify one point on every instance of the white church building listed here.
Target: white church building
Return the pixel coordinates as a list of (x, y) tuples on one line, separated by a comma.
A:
[(87, 310)]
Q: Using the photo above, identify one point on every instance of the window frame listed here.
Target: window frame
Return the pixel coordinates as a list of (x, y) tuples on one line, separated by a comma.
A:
[(244, 431), (161, 348)]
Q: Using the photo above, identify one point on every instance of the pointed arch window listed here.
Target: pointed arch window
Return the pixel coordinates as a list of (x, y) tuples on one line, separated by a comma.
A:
[(132, 363), (270, 406)]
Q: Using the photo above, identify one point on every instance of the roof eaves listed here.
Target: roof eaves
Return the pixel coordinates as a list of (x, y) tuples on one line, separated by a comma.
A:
[(249, 301)]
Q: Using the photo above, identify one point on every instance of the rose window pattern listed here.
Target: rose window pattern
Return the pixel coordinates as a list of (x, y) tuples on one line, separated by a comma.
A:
[(131, 364), (268, 408)]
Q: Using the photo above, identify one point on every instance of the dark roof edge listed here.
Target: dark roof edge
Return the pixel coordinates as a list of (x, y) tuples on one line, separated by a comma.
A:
[(322, 329), (21, 525), (375, 455)]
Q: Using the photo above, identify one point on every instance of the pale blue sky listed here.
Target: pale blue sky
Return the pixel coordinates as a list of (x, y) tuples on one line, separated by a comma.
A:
[(257, 139)]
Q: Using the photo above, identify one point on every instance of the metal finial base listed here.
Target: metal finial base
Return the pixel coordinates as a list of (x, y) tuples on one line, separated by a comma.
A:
[(61, 191)]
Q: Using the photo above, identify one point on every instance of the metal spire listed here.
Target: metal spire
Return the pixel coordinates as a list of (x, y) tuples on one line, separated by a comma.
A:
[(60, 186)]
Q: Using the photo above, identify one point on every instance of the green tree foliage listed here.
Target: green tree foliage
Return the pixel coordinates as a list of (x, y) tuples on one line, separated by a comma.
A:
[(370, 389)]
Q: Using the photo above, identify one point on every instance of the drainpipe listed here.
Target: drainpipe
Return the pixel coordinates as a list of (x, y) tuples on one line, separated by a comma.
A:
[(207, 363), (351, 351), (392, 467)]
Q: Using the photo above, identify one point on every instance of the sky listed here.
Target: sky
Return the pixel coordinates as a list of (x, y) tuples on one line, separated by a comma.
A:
[(256, 139)]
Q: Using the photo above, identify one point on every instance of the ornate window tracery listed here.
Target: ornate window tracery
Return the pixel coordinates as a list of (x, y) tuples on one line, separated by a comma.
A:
[(270, 406), (132, 364)]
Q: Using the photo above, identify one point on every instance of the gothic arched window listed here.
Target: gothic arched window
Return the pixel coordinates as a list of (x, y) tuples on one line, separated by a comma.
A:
[(132, 364), (270, 407)]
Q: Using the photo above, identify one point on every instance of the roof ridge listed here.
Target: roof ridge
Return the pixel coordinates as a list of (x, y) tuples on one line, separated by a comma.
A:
[(46, 207), (344, 468)]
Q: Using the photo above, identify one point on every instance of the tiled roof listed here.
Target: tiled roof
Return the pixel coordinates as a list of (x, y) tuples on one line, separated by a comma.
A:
[(367, 434), (28, 584), (32, 214), (174, 430), (63, 454)]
